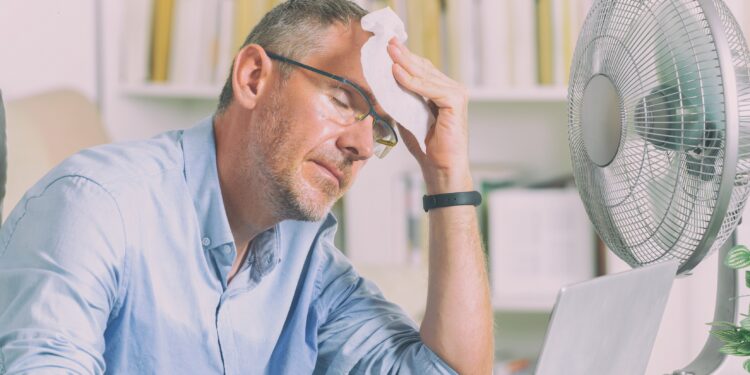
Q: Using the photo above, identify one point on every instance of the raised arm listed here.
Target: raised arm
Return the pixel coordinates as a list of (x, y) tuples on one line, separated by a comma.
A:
[(458, 320)]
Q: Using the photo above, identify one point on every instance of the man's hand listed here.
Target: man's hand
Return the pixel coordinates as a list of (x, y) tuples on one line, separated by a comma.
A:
[(445, 162), (458, 320)]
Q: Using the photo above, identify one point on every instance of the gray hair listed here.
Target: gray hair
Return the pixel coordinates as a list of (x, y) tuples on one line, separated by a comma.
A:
[(292, 29)]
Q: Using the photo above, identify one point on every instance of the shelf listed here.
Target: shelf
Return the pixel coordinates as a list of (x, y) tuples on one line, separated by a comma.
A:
[(519, 95), (480, 95), (540, 301), (170, 91)]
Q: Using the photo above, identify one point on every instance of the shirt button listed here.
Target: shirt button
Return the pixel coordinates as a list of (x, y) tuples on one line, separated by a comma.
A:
[(206, 241)]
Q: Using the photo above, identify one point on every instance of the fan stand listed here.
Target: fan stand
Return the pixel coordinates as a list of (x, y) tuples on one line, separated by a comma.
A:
[(709, 359)]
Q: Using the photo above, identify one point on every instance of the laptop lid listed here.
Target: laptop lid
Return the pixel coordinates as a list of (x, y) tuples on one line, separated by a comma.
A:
[(607, 325)]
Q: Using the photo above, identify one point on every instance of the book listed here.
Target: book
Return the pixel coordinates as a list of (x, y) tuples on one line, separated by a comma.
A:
[(539, 241), (431, 31), (417, 224), (577, 10), (414, 26), (487, 178), (135, 42), (225, 42), (247, 14), (495, 46), (161, 39), (399, 7), (545, 43), (462, 41), (522, 21), (208, 43), (185, 45), (571, 26), (194, 44), (560, 31)]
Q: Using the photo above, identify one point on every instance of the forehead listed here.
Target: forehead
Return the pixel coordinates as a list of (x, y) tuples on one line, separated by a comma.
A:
[(340, 52)]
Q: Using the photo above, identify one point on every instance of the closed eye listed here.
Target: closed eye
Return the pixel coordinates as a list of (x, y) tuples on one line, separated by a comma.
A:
[(342, 96), (343, 103)]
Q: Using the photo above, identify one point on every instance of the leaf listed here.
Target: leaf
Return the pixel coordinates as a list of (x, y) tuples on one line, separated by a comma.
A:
[(745, 335), (745, 323), (728, 336), (723, 324), (738, 257), (730, 349), (747, 279), (746, 365), (744, 348)]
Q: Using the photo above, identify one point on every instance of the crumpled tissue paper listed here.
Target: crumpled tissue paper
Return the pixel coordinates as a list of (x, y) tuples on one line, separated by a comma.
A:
[(406, 107)]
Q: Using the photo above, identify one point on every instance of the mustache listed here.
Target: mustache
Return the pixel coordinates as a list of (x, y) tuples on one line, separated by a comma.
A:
[(341, 162)]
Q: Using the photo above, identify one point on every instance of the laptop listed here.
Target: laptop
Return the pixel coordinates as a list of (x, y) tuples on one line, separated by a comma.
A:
[(607, 326)]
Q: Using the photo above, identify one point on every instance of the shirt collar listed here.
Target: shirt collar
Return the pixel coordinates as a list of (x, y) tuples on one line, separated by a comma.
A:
[(202, 177)]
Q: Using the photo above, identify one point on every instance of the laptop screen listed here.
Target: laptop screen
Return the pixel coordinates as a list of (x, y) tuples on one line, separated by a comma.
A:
[(607, 325)]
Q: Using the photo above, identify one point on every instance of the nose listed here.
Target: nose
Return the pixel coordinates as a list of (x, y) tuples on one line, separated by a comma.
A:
[(356, 139)]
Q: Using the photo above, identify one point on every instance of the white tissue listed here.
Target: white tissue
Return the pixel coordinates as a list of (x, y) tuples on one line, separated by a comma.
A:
[(406, 107)]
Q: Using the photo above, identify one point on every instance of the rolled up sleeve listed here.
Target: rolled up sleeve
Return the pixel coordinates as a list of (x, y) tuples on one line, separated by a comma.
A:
[(61, 272), (363, 333)]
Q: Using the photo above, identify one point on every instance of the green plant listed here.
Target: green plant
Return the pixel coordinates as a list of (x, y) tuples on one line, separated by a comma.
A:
[(736, 338)]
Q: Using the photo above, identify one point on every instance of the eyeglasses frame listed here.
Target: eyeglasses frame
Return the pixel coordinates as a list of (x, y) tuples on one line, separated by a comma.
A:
[(341, 79)]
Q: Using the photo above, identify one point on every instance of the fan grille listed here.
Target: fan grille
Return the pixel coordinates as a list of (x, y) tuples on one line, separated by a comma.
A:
[(656, 199), (741, 64)]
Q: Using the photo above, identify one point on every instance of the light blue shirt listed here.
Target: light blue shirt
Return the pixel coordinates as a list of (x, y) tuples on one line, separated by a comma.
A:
[(117, 261)]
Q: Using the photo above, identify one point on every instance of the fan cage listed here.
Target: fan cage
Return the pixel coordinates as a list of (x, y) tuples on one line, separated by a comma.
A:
[(655, 201), (741, 64)]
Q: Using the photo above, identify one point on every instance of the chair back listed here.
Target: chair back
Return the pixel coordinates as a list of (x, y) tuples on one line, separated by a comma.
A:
[(3, 155), (42, 131)]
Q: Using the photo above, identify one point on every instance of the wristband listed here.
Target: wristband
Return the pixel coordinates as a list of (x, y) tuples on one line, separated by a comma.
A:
[(451, 199)]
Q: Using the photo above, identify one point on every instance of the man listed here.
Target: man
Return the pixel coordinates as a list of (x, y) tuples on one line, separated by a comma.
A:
[(210, 250)]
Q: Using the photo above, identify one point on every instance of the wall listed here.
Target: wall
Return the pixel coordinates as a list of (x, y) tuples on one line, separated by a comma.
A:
[(47, 44)]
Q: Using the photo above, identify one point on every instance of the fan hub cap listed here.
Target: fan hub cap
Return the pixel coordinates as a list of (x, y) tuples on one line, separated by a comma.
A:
[(601, 120)]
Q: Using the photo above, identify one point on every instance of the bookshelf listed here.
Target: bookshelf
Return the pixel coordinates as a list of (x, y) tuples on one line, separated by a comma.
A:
[(522, 126), (506, 124), (480, 95), (541, 94), (169, 91)]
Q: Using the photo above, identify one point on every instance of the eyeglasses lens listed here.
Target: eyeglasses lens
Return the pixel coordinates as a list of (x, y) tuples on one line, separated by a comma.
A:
[(348, 106)]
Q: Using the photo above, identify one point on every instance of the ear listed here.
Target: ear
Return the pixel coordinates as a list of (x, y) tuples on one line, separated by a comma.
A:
[(251, 75)]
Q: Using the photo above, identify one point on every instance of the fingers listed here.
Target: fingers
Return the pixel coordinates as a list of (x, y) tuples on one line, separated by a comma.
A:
[(414, 64), (417, 74)]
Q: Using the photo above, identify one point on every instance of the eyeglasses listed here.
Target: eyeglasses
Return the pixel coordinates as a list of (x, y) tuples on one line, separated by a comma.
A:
[(348, 104)]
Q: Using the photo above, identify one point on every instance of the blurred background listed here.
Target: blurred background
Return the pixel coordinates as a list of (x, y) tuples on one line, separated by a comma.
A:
[(82, 72)]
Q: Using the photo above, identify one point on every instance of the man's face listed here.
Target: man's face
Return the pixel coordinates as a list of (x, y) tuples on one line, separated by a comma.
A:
[(308, 161)]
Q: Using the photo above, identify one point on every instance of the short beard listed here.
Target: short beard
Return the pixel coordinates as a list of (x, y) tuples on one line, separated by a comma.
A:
[(288, 197)]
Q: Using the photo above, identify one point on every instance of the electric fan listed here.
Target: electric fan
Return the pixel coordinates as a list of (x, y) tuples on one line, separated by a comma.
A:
[(659, 132)]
